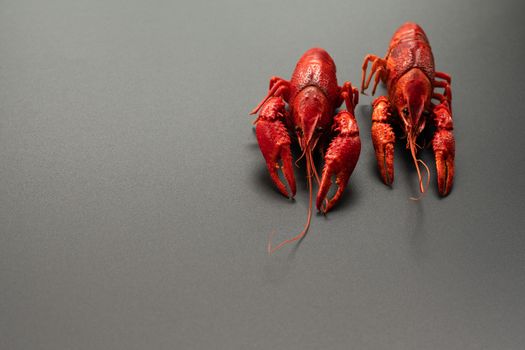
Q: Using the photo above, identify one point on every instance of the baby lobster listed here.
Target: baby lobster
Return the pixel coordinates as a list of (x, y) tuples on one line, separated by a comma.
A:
[(410, 77), (312, 96)]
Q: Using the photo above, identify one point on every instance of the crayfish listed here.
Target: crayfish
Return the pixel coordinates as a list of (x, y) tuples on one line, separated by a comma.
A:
[(312, 96), (410, 77)]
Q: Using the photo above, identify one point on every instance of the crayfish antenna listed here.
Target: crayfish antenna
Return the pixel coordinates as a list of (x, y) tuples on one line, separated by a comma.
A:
[(310, 170), (276, 90), (312, 164), (422, 189)]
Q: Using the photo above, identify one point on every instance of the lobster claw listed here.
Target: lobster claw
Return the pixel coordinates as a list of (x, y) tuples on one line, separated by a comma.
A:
[(340, 159), (274, 142)]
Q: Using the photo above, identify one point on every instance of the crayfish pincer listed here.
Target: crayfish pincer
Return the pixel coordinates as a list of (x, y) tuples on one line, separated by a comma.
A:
[(312, 96), (410, 77)]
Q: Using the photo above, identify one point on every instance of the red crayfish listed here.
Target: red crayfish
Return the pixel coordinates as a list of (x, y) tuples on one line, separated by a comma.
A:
[(410, 77), (312, 96)]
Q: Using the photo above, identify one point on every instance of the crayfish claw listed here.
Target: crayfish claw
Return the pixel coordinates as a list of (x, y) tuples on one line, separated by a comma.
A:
[(274, 142), (286, 168), (445, 172), (340, 159), (383, 138), (324, 204), (444, 147)]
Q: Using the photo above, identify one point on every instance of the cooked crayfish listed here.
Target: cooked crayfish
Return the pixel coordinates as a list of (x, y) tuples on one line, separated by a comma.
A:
[(313, 96), (410, 77)]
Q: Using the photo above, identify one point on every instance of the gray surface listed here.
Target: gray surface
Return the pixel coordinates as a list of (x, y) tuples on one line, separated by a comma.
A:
[(135, 205)]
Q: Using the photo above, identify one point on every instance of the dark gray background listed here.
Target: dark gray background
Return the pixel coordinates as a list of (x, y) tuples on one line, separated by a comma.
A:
[(135, 205)]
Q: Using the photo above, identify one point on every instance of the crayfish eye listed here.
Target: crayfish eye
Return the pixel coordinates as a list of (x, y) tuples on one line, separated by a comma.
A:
[(405, 112), (298, 130), (319, 129)]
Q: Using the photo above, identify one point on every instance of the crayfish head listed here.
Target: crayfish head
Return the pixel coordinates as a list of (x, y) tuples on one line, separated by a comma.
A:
[(411, 97), (311, 115)]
